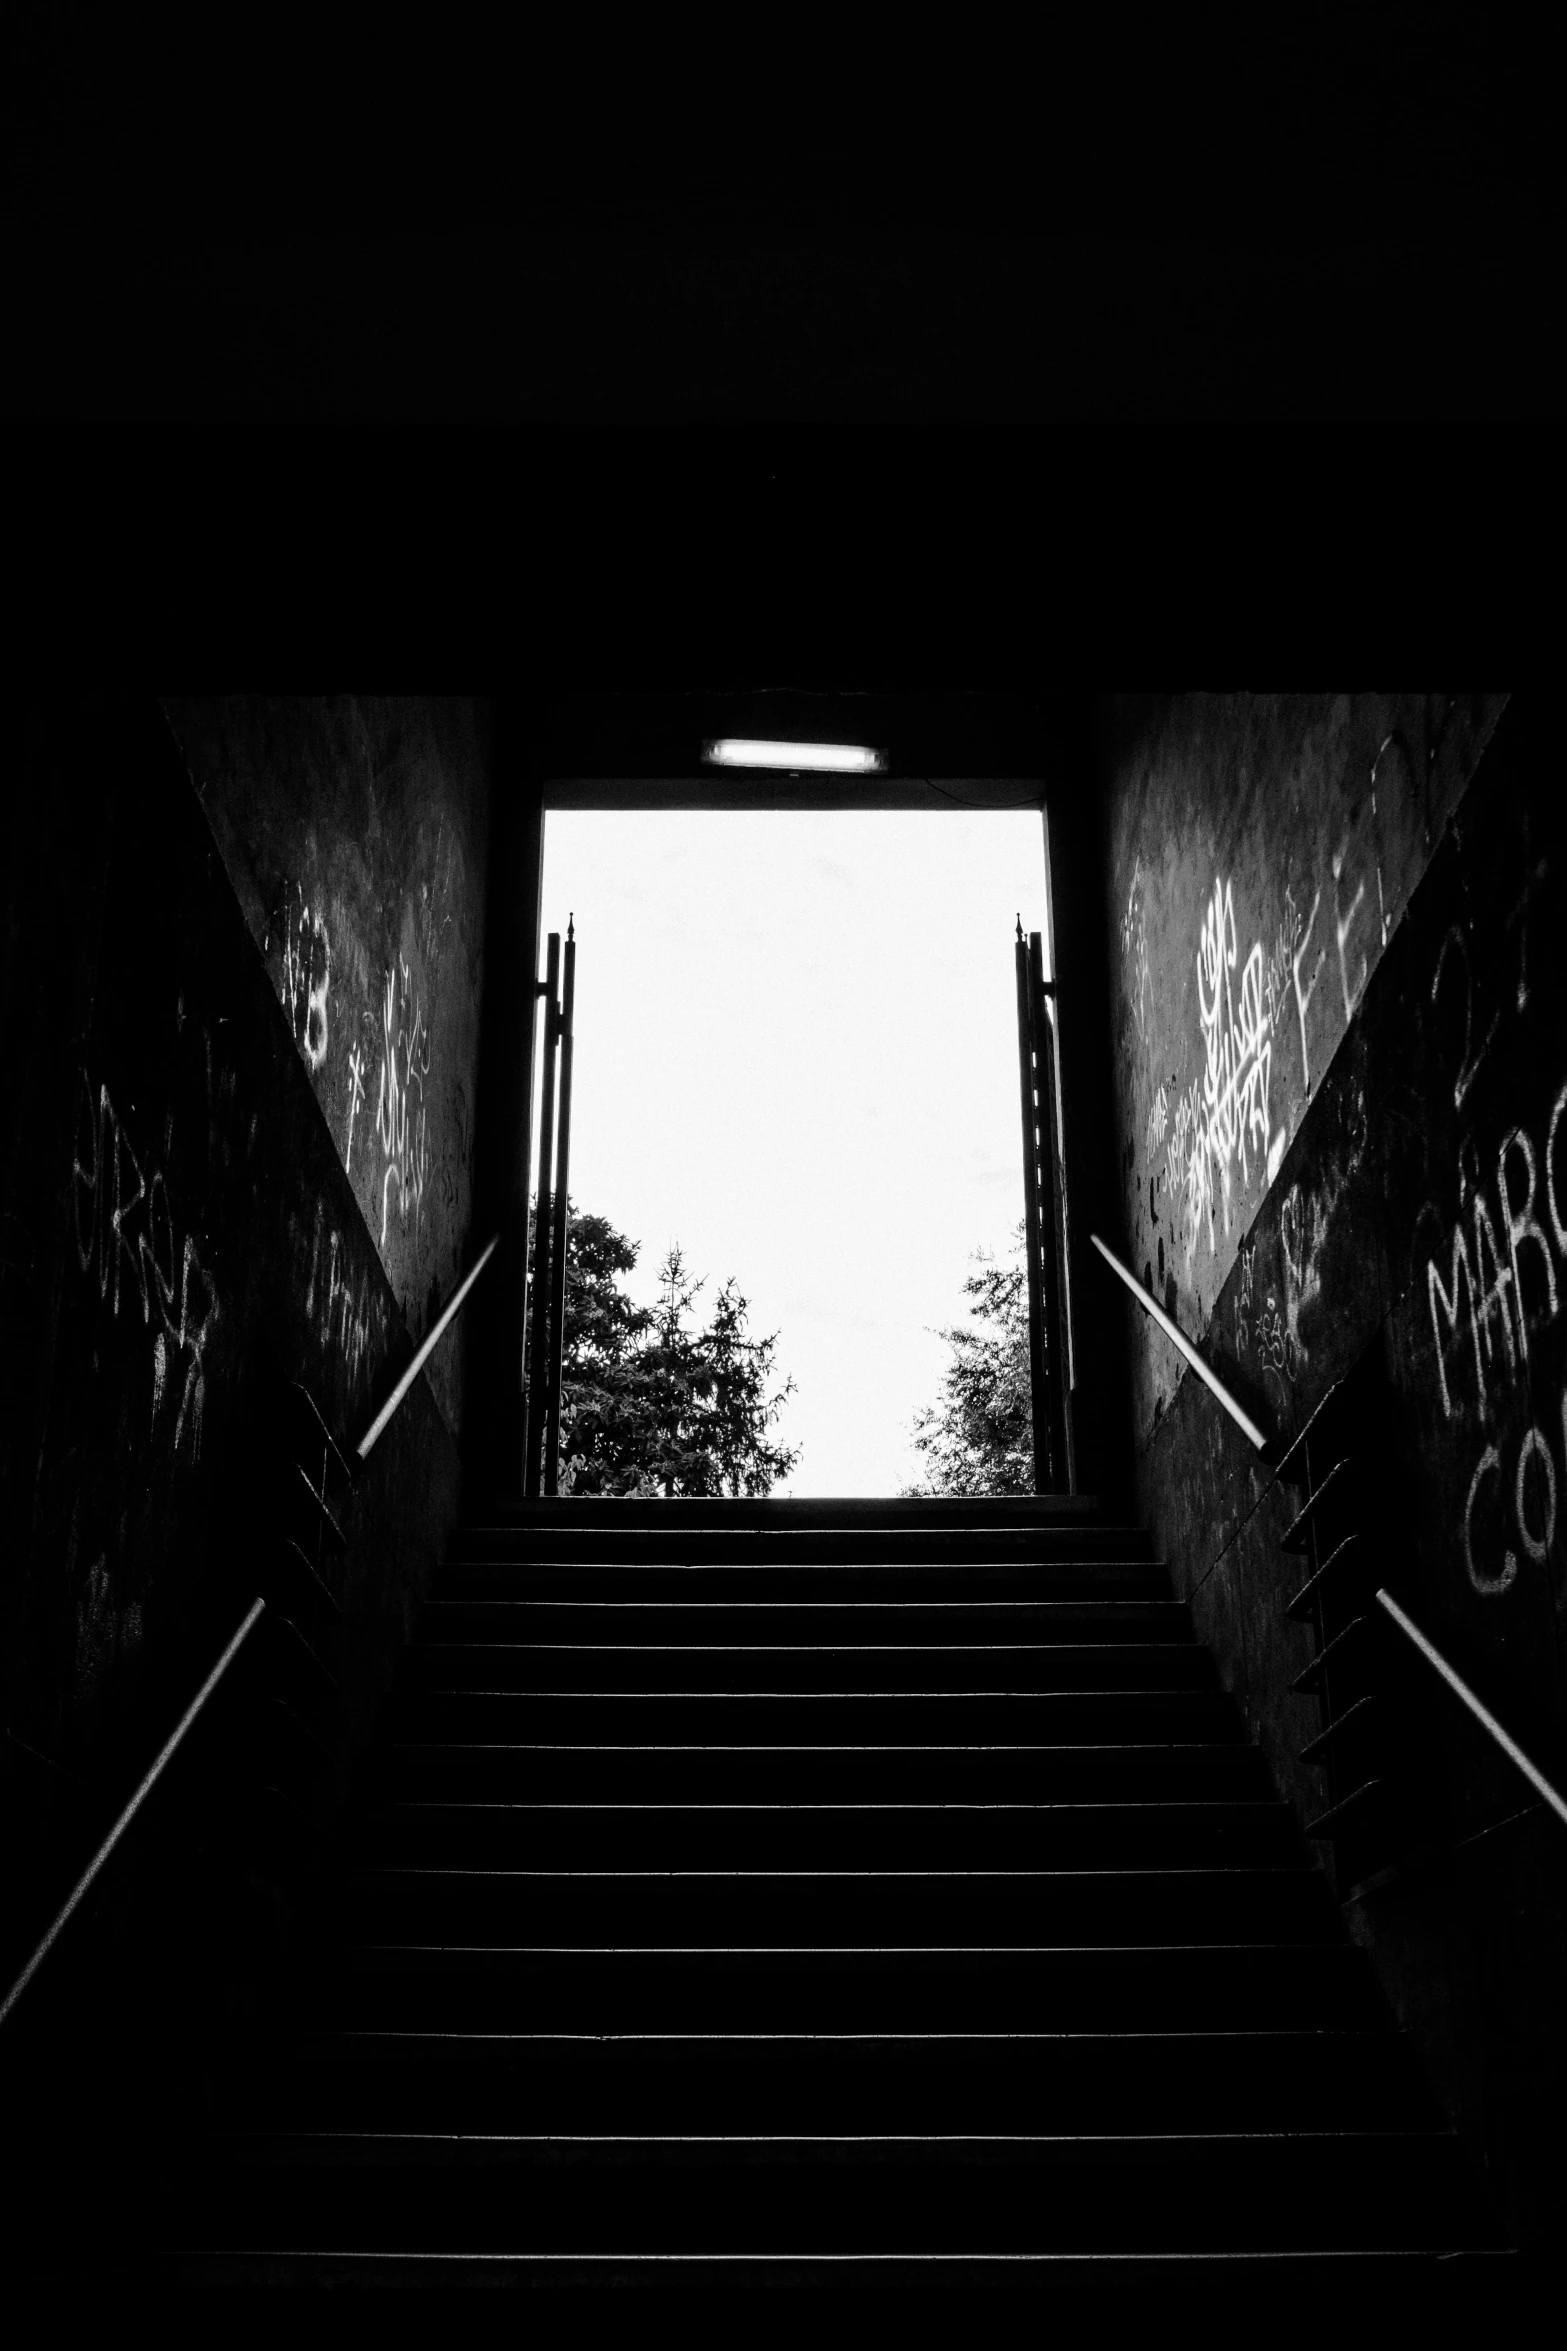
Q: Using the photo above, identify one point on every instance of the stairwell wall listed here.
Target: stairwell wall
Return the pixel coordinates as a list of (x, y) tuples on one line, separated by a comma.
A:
[(355, 831), (176, 1206), (1337, 987)]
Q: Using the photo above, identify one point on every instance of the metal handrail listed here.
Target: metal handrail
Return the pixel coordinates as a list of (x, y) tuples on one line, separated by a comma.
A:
[(427, 1346), (1482, 1714), (1385, 1601), (253, 1616), (1173, 1332)]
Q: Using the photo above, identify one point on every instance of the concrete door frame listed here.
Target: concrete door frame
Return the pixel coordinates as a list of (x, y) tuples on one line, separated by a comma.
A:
[(642, 751)]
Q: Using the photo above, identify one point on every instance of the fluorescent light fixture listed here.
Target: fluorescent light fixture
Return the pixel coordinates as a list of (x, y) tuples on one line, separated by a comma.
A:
[(796, 758)]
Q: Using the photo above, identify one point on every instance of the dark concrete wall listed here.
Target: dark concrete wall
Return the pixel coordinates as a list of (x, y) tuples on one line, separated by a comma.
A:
[(355, 834), (1414, 1214), (175, 1210), (1262, 850)]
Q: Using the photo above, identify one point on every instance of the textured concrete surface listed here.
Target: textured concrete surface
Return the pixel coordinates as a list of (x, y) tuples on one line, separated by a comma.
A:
[(354, 829), (1262, 851), (1414, 1215), (189, 1217)]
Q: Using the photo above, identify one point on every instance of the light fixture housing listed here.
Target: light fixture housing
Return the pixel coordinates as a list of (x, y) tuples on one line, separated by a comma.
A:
[(795, 758)]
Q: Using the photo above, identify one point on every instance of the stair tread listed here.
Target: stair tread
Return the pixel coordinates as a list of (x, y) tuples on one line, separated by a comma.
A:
[(460, 2145), (1139, 1806), (812, 1948)]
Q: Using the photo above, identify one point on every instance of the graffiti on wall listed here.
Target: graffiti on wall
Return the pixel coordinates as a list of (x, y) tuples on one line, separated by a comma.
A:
[(372, 1050), (356, 1095), (399, 1118), (1221, 1133), (307, 976), (1134, 947), (1496, 1279), (344, 1314), (1490, 1289), (1238, 1048), (1158, 1122), (1247, 942), (126, 1239), (1263, 1329)]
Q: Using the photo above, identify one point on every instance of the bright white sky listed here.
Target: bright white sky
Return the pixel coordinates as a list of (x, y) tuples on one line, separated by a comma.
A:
[(796, 1054)]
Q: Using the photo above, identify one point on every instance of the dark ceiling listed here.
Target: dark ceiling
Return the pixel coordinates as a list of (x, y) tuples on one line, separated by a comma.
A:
[(620, 749)]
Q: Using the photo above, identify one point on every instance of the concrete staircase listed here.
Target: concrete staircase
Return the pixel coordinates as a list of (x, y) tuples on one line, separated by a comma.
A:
[(881, 1898)]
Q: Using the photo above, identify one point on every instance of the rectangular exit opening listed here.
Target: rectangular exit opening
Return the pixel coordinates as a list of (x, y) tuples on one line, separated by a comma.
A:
[(796, 1164)]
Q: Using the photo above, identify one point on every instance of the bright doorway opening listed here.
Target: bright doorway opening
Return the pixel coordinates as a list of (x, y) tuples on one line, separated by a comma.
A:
[(796, 1058)]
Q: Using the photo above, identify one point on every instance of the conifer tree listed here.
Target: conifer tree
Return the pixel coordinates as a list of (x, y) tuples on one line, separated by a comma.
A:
[(653, 1402), (979, 1439)]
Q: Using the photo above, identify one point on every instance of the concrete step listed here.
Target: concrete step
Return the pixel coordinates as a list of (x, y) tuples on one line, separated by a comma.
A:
[(914, 1621), (843, 2295), (1150, 1987), (757, 1836), (979, 2082), (772, 1718), (771, 1664), (831, 2193), (1121, 1571), (720, 1909), (874, 1899), (574, 1544), (801, 1774), (841, 1513)]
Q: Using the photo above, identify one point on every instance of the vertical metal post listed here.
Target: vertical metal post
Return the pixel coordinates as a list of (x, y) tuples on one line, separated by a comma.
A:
[(562, 1211), (1036, 1328), (538, 1350), (1049, 1214)]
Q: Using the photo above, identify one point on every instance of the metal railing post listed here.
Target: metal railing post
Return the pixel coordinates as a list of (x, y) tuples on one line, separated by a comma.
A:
[(562, 1212), (1049, 1217), (539, 1289), (1036, 1308)]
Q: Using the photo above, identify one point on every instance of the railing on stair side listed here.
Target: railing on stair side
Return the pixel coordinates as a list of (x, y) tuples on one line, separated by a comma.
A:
[(1271, 1455), (236, 1643)]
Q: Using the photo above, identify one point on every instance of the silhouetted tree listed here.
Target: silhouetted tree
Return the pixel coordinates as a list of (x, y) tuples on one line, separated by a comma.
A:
[(652, 1402), (980, 1438)]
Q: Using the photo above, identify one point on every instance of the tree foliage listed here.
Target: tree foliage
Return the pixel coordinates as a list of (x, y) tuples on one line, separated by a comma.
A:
[(980, 1438), (652, 1400)]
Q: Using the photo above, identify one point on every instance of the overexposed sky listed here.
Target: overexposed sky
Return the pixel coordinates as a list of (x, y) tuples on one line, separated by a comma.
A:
[(796, 1054)]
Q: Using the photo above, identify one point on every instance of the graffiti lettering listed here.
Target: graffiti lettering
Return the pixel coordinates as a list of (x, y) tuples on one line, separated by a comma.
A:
[(1281, 961), (1345, 924), (405, 1064), (1521, 1227), (1158, 1120), (103, 1215), (1473, 1056), (1488, 1278), (1134, 944), (1532, 1493), (1237, 1046), (1534, 1448), (307, 974), (1438, 1294), (356, 1094), (1488, 1586), (340, 1310), (1302, 1000)]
